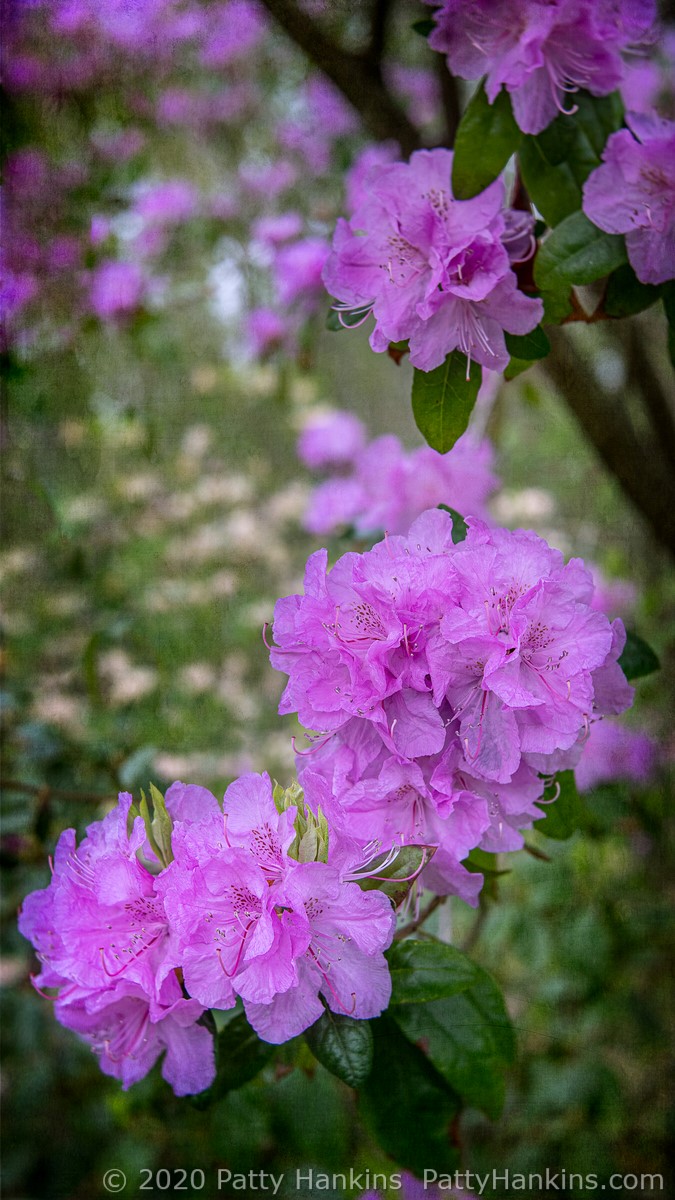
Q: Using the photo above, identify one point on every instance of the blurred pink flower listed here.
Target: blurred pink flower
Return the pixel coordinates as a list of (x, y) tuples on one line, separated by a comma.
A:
[(116, 289), (612, 753)]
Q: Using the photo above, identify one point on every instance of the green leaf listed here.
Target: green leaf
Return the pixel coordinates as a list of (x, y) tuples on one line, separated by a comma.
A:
[(486, 138), (396, 878), (407, 1105), (564, 814), (555, 163), (424, 26), (577, 252), (516, 366), (637, 657), (343, 1046), (162, 826), (240, 1055), (530, 346), (483, 862), (443, 399), (468, 1038), (459, 525), (158, 825), (557, 306), (423, 971), (625, 295)]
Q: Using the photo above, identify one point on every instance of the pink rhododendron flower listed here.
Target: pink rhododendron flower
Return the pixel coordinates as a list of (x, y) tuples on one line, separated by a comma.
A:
[(420, 88), (103, 902), (525, 643), (275, 230), (445, 680), (252, 921), (266, 331), (337, 933), (297, 270), (612, 595), (244, 903), (16, 291), (103, 940), (170, 202), (633, 192), (614, 752), (540, 51), (371, 158), (330, 440), (387, 486), (235, 30), (99, 230), (649, 84), (268, 180), (116, 289), (329, 108), (128, 1032), (433, 270), (388, 801)]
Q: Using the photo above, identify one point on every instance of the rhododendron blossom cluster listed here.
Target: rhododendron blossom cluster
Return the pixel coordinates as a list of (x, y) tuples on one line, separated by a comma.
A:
[(384, 486), (448, 681), (433, 270), (541, 51), (243, 900), (101, 934)]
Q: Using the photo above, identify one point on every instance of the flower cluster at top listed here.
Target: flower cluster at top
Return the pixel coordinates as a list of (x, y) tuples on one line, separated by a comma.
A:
[(633, 192), (448, 681), (241, 899), (383, 486), (541, 51), (433, 270)]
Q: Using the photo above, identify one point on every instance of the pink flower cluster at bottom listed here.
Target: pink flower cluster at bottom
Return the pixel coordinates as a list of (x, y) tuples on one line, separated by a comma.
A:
[(234, 910)]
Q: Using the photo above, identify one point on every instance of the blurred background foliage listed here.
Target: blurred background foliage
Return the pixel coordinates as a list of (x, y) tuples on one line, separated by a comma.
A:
[(152, 506)]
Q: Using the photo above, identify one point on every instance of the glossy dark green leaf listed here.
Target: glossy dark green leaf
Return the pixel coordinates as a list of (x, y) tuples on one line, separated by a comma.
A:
[(637, 658), (407, 1105), (240, 1055), (443, 400), (577, 252), (343, 1046), (424, 26), (468, 1038), (529, 346), (459, 525), (483, 862), (555, 163), (564, 814), (486, 138), (557, 306), (625, 295), (423, 971)]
